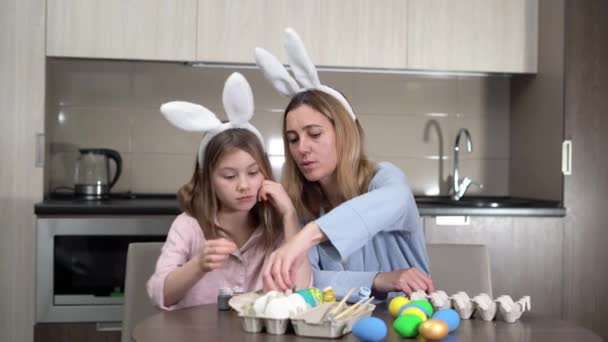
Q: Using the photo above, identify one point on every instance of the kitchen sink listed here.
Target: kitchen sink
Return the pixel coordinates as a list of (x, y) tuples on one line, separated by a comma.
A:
[(484, 202)]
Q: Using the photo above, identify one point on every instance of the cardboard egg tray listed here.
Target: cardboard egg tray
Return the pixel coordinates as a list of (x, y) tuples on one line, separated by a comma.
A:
[(312, 323)]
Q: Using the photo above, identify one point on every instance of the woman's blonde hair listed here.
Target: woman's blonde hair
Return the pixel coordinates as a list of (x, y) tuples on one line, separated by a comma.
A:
[(354, 170), (198, 197)]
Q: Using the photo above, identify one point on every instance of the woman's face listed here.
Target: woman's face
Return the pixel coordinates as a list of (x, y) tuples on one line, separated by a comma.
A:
[(311, 138), (237, 180)]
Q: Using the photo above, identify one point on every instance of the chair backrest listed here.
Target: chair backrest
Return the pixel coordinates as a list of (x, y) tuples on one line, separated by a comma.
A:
[(456, 267), (141, 262)]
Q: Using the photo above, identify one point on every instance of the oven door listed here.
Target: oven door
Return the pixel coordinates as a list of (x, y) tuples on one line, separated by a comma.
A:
[(80, 268)]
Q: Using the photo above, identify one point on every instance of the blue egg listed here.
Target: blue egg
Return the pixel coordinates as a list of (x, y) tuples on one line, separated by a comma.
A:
[(426, 312), (449, 316), (370, 329)]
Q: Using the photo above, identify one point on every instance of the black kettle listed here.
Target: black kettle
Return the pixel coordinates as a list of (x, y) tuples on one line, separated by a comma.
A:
[(92, 178)]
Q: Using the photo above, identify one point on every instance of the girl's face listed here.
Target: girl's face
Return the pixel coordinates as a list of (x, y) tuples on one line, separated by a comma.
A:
[(311, 138), (236, 180)]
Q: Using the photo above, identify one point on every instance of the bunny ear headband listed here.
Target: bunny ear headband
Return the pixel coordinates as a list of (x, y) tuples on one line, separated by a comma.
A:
[(238, 103), (304, 71)]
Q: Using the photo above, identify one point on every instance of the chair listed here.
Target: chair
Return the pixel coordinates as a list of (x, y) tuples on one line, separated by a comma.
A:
[(456, 267), (141, 261)]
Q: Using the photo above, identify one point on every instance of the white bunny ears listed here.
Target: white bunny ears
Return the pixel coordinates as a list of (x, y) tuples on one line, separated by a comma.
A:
[(238, 103), (304, 71)]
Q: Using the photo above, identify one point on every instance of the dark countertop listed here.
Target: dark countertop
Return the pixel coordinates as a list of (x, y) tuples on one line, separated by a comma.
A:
[(161, 204)]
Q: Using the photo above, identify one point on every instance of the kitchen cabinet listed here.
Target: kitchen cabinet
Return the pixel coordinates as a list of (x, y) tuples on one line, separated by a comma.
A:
[(62, 332), (472, 35), (525, 255), (350, 33), (134, 29), (467, 35)]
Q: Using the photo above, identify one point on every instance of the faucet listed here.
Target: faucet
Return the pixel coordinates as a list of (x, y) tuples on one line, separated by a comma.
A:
[(460, 187)]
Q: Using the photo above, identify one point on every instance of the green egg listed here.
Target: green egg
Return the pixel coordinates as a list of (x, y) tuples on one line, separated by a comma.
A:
[(425, 304), (407, 325)]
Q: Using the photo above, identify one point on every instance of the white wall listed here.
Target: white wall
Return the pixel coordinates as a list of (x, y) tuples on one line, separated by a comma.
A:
[(22, 68)]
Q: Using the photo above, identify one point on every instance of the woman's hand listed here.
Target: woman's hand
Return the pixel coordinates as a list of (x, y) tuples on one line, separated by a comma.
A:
[(214, 254), (285, 262), (280, 269), (277, 196), (407, 280)]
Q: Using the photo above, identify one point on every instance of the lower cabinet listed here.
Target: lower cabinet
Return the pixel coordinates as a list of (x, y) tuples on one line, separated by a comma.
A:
[(526, 255), (73, 332)]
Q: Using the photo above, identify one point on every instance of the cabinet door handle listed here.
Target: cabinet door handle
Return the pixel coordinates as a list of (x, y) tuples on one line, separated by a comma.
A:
[(40, 150), (567, 157)]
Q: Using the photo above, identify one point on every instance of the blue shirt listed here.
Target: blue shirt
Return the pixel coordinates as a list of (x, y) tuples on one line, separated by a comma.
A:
[(378, 231)]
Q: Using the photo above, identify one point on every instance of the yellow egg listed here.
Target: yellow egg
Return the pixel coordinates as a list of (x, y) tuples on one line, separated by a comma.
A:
[(396, 304), (414, 311), (434, 329)]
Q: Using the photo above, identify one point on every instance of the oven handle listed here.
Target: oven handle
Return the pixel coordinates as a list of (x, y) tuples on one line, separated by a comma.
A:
[(108, 326)]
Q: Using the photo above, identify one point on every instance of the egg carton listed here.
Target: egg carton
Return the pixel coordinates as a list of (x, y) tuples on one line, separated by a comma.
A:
[(316, 323), (274, 326), (481, 306)]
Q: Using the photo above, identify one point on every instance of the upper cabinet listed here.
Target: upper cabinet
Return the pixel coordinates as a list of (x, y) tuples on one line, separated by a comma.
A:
[(444, 35), (353, 33), (473, 35), (124, 29)]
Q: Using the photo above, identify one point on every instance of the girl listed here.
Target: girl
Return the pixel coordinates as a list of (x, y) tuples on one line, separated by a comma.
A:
[(233, 210), (364, 228)]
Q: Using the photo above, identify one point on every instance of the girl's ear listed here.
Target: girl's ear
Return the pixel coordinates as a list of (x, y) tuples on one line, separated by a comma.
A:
[(189, 116), (238, 99), (301, 64), (275, 73)]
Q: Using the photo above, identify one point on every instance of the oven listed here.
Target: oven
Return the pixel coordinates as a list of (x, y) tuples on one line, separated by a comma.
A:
[(81, 261)]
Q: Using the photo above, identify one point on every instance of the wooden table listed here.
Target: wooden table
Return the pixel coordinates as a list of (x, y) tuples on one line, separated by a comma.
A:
[(206, 323)]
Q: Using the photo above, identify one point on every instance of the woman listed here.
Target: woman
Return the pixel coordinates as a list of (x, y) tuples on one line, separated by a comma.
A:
[(364, 227)]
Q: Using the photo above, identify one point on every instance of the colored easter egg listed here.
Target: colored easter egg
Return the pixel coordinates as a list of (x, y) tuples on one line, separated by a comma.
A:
[(407, 325), (308, 298), (317, 295), (428, 308), (412, 305), (414, 311), (434, 329), (395, 304), (449, 316), (329, 295), (370, 329)]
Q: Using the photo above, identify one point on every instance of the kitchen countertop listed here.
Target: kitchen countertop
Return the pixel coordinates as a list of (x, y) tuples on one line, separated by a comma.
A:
[(160, 204)]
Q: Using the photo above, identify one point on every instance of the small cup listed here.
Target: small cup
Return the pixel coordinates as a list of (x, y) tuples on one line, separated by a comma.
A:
[(252, 324), (276, 326)]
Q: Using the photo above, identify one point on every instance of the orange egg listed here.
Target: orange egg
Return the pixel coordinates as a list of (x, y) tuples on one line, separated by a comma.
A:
[(434, 329)]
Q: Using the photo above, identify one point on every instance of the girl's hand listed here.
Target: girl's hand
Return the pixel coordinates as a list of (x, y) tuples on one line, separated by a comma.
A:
[(214, 254), (406, 280), (277, 196)]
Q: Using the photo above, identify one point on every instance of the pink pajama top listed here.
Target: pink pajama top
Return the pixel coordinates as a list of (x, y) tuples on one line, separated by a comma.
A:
[(243, 268)]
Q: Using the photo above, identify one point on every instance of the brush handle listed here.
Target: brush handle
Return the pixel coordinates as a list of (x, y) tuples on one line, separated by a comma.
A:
[(352, 307)]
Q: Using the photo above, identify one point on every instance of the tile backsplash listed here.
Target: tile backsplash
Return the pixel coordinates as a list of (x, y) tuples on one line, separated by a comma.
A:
[(409, 120)]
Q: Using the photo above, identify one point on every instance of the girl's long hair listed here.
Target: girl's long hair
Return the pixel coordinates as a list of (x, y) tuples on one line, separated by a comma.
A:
[(198, 198), (354, 170)]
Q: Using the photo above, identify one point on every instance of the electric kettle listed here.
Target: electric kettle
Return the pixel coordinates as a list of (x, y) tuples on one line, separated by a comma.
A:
[(92, 178)]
